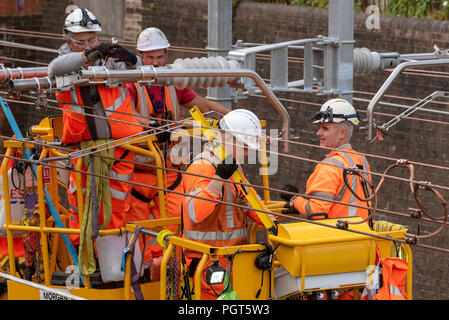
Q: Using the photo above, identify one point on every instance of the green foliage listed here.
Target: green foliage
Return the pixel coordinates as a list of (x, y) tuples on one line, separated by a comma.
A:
[(311, 3), (430, 9)]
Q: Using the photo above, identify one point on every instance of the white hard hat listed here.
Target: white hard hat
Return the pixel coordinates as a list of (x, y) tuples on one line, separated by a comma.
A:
[(244, 125), (81, 20), (152, 39), (70, 8), (336, 110)]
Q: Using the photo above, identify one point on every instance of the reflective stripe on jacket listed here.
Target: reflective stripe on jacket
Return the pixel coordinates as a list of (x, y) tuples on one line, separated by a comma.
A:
[(121, 171), (209, 222), (144, 107), (119, 190), (394, 271), (113, 103), (327, 182)]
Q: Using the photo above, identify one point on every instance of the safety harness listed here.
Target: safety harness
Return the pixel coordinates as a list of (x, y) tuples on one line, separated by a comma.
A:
[(97, 191), (135, 273), (146, 199), (99, 127)]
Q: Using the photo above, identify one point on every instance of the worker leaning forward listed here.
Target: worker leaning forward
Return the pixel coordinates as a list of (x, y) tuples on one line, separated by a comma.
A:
[(160, 103), (88, 116), (213, 223), (336, 119)]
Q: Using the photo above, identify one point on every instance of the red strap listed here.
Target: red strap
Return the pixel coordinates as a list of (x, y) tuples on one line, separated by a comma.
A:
[(378, 256)]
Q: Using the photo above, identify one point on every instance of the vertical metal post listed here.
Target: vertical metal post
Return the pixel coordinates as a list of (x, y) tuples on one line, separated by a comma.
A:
[(219, 41), (341, 28), (279, 68), (308, 66)]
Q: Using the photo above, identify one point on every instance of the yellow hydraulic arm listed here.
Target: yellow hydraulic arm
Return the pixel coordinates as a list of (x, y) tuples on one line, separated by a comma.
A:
[(248, 192)]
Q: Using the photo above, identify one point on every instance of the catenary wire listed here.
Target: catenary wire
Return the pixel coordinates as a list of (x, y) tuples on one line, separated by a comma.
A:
[(242, 206), (297, 157)]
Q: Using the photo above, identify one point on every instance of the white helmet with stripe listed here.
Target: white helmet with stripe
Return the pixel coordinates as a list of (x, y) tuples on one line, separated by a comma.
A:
[(337, 110), (81, 20)]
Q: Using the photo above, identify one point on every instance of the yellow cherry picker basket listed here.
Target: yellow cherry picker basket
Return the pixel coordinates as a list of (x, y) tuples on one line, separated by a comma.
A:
[(296, 259)]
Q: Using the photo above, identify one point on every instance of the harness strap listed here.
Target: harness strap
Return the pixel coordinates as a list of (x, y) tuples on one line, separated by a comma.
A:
[(176, 182), (123, 156), (139, 196), (136, 194), (135, 274), (99, 128)]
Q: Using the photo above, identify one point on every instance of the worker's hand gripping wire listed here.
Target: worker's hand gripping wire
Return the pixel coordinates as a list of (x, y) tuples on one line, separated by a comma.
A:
[(120, 54), (98, 52)]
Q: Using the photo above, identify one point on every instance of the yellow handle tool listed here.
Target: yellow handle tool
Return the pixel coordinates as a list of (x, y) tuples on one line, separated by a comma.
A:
[(249, 193)]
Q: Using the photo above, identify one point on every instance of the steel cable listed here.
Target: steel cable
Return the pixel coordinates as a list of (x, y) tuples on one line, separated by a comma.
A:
[(405, 241), (279, 153), (250, 185), (203, 51), (279, 139)]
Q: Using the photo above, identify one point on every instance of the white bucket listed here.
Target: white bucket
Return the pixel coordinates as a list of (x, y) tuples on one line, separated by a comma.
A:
[(109, 250)]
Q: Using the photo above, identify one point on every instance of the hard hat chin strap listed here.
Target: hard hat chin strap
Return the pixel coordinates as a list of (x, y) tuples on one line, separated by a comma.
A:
[(86, 21), (329, 115)]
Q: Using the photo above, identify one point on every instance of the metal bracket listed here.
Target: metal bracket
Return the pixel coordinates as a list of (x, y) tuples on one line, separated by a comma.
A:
[(380, 93), (66, 82), (386, 126)]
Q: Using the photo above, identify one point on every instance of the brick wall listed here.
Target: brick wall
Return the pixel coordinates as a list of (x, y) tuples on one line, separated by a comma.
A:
[(133, 19), (185, 24), (30, 18), (13, 8)]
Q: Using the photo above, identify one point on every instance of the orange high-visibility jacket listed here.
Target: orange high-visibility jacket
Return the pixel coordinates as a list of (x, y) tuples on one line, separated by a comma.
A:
[(79, 126), (141, 196), (144, 107), (120, 190), (140, 201), (327, 182), (209, 222), (394, 271), (113, 103)]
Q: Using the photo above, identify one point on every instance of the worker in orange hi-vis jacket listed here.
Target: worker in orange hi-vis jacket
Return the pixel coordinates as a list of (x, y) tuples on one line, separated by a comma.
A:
[(96, 112), (209, 222), (160, 106), (336, 120)]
